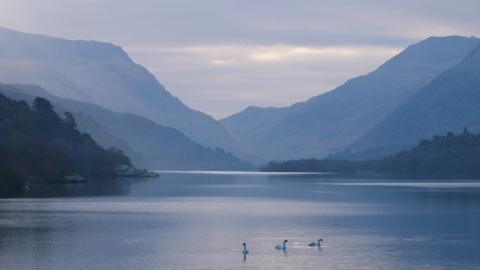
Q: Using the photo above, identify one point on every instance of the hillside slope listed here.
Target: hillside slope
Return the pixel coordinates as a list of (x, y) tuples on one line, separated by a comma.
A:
[(147, 143), (36, 144), (451, 156), (449, 103), (102, 74), (328, 123)]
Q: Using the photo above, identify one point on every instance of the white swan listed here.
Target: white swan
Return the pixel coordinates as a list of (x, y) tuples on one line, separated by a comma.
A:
[(316, 244), (244, 250), (283, 246)]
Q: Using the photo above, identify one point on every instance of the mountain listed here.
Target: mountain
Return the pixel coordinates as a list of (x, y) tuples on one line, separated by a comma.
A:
[(147, 143), (450, 102), (102, 74), (328, 123), (36, 144), (250, 128)]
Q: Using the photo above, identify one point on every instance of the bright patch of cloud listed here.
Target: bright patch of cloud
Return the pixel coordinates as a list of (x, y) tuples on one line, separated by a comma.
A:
[(218, 62), (232, 54), (289, 53), (276, 75)]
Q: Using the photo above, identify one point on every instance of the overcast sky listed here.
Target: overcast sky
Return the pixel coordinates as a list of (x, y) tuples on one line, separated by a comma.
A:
[(222, 56)]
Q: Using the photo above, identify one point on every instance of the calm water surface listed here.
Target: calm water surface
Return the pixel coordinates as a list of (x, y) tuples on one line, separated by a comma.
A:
[(199, 220)]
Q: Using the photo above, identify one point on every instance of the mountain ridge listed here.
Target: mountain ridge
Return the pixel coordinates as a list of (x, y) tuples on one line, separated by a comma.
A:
[(101, 73), (447, 103), (329, 122)]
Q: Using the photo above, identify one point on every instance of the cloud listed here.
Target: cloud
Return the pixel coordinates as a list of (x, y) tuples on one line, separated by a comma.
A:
[(231, 54), (227, 78), (293, 53), (220, 56), (220, 62)]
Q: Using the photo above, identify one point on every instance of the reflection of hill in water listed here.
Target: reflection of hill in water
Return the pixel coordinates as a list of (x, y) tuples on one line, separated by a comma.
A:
[(93, 187)]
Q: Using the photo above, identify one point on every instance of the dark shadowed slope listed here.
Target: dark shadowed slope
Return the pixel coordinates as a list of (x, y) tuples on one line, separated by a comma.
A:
[(102, 74), (330, 122), (449, 103), (85, 122), (36, 144), (147, 143)]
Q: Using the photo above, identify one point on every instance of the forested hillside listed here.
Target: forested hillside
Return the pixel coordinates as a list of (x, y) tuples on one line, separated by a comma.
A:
[(36, 144), (146, 143), (449, 155)]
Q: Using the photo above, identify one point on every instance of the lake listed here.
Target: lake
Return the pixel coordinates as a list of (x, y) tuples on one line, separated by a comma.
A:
[(198, 220)]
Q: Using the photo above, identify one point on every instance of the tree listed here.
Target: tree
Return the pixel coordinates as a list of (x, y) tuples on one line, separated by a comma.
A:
[(70, 120), (46, 119), (43, 106)]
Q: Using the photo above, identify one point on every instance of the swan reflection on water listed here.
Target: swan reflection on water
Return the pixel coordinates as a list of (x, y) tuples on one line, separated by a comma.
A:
[(245, 251)]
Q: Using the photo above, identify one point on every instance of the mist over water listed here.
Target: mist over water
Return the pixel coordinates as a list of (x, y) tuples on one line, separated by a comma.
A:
[(199, 221)]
